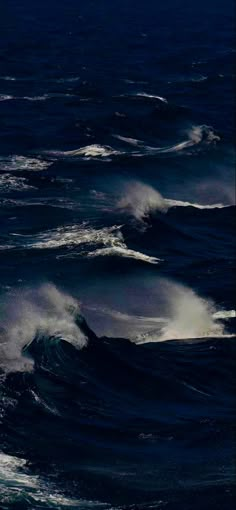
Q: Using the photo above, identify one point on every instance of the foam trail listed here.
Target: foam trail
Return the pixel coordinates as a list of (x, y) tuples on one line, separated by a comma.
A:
[(44, 311)]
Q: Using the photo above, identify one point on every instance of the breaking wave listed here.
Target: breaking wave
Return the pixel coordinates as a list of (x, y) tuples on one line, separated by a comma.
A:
[(37, 313), (141, 200)]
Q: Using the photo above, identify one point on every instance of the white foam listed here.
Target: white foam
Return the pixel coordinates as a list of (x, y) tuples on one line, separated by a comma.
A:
[(151, 96), (110, 238), (131, 141), (16, 162), (34, 98), (179, 203), (17, 486), (75, 235), (196, 135), (225, 314), (5, 97), (93, 151), (9, 183), (123, 251)]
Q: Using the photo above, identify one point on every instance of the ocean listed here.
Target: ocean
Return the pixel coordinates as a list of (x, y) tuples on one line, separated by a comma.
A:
[(117, 255)]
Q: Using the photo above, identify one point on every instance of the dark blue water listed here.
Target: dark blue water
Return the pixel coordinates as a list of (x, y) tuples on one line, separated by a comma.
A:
[(117, 255)]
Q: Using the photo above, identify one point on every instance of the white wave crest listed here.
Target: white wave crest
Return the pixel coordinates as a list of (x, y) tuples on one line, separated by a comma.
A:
[(196, 135), (42, 311), (139, 200), (151, 96), (110, 238), (123, 251), (75, 235), (179, 203), (93, 151)]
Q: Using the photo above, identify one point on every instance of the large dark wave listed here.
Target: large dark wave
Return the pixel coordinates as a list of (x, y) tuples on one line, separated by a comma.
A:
[(131, 412)]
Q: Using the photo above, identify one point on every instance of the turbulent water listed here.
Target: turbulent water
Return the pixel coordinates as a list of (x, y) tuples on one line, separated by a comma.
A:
[(117, 255)]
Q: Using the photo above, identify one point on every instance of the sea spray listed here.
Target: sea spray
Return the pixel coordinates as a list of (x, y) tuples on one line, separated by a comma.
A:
[(139, 200), (190, 316), (45, 312)]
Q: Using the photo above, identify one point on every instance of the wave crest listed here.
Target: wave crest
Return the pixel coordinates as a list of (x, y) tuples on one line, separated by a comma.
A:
[(42, 312)]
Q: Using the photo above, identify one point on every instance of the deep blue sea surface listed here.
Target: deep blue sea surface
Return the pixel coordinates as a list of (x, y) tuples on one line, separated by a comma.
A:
[(117, 255)]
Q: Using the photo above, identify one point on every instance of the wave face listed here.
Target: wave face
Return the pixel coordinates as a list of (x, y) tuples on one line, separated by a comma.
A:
[(117, 256)]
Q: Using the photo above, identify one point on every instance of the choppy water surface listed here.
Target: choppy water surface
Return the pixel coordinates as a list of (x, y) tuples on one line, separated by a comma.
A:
[(117, 255)]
